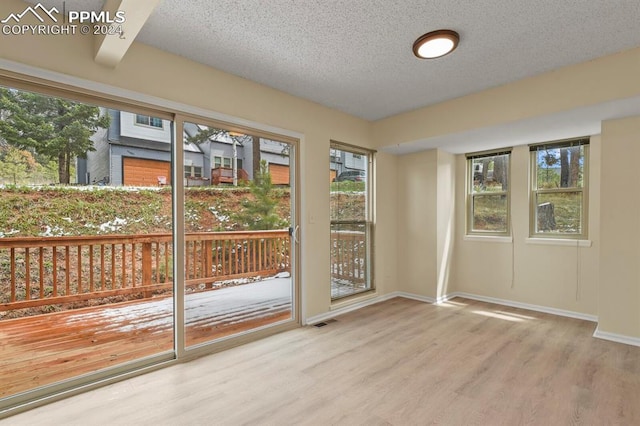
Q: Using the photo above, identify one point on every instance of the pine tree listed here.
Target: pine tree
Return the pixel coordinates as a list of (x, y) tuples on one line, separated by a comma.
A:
[(54, 128), (260, 213), (15, 165)]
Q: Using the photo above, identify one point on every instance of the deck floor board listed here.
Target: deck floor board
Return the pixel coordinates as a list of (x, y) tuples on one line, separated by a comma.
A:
[(45, 349)]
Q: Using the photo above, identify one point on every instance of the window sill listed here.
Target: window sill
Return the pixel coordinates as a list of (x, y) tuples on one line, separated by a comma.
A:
[(559, 242), (489, 238)]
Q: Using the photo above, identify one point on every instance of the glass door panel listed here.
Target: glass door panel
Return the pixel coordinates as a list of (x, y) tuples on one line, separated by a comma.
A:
[(238, 251), (86, 285)]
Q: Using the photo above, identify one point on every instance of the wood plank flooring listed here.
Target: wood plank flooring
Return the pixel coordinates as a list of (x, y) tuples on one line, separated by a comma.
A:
[(400, 362)]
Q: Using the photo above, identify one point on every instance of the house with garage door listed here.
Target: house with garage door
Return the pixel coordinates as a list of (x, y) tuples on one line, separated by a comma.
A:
[(136, 151)]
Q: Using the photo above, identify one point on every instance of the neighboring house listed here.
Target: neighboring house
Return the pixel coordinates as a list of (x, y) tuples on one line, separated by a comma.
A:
[(343, 161), (136, 151)]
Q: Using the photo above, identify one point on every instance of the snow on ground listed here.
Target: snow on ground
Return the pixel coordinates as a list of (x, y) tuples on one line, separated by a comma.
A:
[(227, 305), (56, 231), (222, 218), (113, 225), (6, 234)]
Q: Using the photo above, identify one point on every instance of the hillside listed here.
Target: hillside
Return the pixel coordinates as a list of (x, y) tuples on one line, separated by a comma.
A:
[(74, 211)]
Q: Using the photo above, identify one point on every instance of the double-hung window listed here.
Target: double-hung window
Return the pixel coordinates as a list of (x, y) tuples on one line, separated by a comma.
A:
[(559, 189), (488, 193), (351, 215)]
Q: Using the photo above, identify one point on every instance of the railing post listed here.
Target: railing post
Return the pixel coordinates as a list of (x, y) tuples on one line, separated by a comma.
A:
[(13, 274), (208, 260), (146, 264)]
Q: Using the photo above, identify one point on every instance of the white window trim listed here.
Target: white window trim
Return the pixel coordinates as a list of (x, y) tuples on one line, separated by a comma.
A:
[(570, 242), (369, 222), (192, 169), (488, 238), (556, 238), (486, 235), (149, 126)]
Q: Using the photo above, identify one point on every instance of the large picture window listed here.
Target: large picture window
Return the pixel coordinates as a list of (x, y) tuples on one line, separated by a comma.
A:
[(488, 193), (351, 220), (559, 189)]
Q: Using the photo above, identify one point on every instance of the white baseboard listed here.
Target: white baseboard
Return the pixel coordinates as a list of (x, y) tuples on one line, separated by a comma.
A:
[(537, 308), (619, 338), (413, 296), (445, 298), (348, 307), (361, 303)]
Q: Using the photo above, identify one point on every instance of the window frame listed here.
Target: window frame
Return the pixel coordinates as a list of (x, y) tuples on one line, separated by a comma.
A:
[(149, 121), (193, 171), (470, 195), (584, 190), (368, 222)]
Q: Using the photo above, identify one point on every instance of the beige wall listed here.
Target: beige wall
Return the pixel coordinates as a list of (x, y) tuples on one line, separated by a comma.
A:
[(589, 83), (561, 277), (426, 223), (417, 216), (386, 218), (445, 222), (152, 72), (619, 294)]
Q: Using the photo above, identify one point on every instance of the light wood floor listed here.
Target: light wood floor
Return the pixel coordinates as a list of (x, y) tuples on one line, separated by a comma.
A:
[(400, 362)]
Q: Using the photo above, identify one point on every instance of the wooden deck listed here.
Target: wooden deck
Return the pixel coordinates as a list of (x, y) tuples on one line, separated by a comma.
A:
[(44, 349)]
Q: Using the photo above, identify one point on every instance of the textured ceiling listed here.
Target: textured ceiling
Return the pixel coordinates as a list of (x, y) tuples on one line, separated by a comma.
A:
[(355, 55)]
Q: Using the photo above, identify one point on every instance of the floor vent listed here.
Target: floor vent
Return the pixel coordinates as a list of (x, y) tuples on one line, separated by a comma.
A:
[(323, 323)]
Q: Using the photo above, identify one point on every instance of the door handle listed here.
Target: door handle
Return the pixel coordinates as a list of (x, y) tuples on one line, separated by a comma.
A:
[(293, 232)]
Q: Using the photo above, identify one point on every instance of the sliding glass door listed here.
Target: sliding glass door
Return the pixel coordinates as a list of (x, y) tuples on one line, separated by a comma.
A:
[(128, 237), (238, 246)]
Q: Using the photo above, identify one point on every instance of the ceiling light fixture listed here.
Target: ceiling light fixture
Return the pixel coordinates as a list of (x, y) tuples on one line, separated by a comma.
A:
[(436, 44)]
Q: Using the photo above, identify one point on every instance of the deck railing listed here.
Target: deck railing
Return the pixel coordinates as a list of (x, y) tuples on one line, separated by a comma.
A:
[(225, 175), (348, 256), (38, 271)]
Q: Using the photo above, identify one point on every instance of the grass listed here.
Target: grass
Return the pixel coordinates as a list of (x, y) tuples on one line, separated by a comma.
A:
[(567, 211), (347, 186), (55, 211), (67, 211), (490, 212)]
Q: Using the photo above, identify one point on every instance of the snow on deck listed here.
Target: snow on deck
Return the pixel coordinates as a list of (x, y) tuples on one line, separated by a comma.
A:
[(228, 305)]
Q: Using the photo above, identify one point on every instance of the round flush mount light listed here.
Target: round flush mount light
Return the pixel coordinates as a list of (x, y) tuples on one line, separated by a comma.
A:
[(436, 44)]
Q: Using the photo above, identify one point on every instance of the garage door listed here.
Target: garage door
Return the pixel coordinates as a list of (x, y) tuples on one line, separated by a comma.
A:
[(139, 172), (279, 174)]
